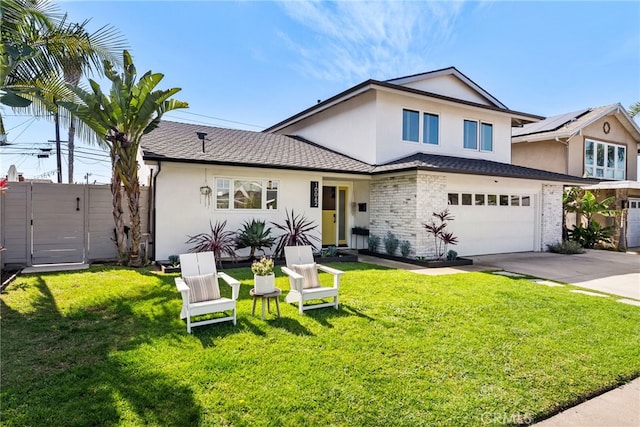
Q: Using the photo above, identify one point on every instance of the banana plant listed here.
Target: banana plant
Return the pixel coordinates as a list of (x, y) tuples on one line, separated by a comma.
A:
[(132, 109)]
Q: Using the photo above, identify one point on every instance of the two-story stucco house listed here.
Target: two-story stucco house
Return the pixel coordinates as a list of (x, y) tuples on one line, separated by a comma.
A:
[(602, 143), (383, 155)]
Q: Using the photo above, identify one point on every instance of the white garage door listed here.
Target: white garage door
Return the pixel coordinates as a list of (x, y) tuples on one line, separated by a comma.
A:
[(633, 223), (492, 223)]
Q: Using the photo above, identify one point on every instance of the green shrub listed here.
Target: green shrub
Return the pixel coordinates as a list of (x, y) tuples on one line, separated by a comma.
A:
[(590, 236), (391, 243), (405, 248), (452, 255), (174, 260), (374, 242), (566, 247), (329, 251)]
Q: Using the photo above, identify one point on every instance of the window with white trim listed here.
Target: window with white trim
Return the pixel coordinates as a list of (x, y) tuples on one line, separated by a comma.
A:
[(472, 134), (410, 125), (427, 131), (247, 194), (603, 160), (430, 128), (482, 199)]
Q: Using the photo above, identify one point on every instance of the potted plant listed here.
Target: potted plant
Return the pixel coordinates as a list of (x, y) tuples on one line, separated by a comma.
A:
[(263, 277)]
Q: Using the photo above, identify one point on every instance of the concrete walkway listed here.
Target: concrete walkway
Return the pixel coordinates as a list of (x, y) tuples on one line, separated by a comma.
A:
[(616, 408), (611, 272)]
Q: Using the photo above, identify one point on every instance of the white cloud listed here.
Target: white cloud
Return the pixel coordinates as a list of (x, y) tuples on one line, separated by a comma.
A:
[(354, 41)]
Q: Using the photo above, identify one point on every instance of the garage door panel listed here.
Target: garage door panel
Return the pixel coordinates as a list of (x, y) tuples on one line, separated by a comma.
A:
[(493, 229)]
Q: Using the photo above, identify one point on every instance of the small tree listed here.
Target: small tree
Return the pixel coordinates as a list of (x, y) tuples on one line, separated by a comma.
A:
[(591, 232), (131, 109), (441, 237)]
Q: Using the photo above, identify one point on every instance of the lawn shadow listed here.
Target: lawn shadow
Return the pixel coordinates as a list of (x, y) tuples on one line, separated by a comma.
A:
[(353, 312), (290, 325), (208, 334), (84, 374)]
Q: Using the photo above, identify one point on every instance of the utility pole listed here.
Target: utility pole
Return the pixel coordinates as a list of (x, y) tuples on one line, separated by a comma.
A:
[(58, 150), (86, 177)]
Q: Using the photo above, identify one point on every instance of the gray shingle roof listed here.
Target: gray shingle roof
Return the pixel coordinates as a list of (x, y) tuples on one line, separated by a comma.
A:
[(439, 163), (178, 142)]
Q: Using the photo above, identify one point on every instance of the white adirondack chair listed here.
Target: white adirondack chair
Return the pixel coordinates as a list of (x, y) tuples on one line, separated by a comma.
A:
[(301, 258), (197, 264)]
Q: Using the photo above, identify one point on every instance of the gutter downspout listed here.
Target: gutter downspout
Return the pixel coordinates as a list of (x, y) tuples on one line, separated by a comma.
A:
[(566, 153), (153, 209)]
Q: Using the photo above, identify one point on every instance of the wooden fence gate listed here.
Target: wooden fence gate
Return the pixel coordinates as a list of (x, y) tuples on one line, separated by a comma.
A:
[(44, 223)]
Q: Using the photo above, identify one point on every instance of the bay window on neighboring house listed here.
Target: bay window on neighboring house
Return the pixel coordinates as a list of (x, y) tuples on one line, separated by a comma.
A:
[(603, 160), (473, 134), (411, 127), (246, 193)]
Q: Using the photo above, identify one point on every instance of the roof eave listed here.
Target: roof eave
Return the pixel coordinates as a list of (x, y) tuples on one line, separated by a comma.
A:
[(517, 117), (570, 180), (159, 158), (542, 136)]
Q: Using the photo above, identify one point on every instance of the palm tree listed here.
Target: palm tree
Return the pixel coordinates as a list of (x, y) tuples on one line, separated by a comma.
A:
[(634, 109), (37, 46), (130, 110)]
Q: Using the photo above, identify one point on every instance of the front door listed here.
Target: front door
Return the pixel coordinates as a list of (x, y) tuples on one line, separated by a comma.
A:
[(334, 216), (329, 212)]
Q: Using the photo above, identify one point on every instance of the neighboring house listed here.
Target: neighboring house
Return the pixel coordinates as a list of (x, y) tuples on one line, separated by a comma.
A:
[(602, 143), (383, 155)]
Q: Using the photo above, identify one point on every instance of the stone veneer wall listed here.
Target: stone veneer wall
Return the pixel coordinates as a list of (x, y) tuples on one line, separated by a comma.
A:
[(432, 197), (393, 208), (401, 204), (551, 214)]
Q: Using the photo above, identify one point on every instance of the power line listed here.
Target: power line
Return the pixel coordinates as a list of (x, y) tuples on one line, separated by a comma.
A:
[(217, 118)]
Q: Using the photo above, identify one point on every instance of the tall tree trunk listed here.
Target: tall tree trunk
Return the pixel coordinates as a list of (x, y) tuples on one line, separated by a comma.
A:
[(118, 218), (133, 196), (129, 175)]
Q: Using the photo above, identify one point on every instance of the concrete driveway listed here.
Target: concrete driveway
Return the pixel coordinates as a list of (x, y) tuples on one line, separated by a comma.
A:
[(611, 272)]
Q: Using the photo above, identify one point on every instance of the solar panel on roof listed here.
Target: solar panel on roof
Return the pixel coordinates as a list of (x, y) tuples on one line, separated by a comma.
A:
[(549, 124)]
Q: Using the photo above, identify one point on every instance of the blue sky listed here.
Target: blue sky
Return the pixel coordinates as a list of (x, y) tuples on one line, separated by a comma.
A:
[(249, 65)]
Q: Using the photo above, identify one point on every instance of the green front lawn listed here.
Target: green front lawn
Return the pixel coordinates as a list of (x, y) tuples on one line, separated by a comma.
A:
[(106, 346)]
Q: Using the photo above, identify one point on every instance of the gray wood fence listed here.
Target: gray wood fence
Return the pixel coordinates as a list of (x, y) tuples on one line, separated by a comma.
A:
[(43, 223)]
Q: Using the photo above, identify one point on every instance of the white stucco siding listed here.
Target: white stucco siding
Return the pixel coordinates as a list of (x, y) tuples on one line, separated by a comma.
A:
[(490, 229), (360, 195), (181, 211), (448, 86), (348, 127), (390, 145)]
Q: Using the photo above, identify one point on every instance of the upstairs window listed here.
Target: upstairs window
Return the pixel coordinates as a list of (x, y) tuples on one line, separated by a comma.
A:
[(413, 129), (602, 160), (472, 135), (486, 137), (430, 129), (410, 125)]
